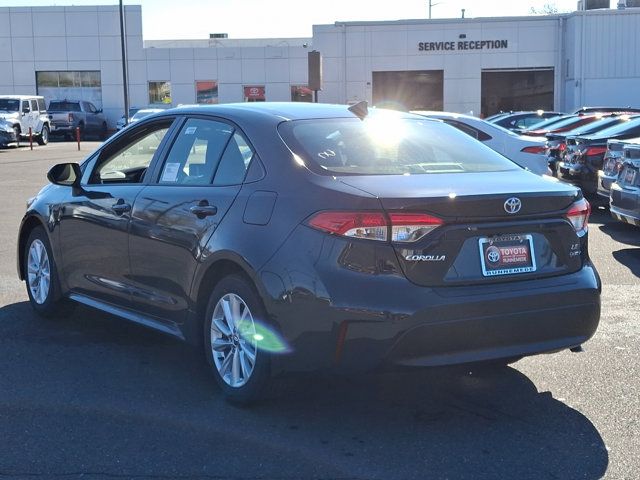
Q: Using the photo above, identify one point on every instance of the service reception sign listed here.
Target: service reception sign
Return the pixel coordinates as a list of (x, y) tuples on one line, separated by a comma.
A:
[(463, 45)]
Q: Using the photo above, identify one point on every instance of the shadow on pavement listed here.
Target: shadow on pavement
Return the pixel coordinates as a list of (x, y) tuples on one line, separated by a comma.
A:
[(95, 395), (618, 231)]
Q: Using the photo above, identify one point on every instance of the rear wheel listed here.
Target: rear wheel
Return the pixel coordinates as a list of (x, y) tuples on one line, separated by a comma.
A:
[(41, 276), (241, 370), (43, 138)]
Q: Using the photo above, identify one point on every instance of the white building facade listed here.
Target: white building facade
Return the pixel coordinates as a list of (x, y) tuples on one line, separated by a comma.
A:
[(482, 65)]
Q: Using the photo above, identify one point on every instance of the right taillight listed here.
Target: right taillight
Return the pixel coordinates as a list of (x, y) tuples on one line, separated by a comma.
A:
[(578, 215), (397, 226)]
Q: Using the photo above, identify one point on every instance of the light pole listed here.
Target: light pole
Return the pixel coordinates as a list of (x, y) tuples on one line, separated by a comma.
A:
[(431, 4), (125, 85)]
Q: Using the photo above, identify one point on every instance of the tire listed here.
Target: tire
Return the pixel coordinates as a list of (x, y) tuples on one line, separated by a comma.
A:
[(242, 381), (47, 302), (43, 138), (16, 129)]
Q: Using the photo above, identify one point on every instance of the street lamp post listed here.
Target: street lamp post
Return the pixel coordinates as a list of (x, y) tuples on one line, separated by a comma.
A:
[(125, 85), (431, 4)]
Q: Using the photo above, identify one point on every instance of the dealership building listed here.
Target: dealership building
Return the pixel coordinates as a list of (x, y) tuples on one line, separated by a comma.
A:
[(479, 65)]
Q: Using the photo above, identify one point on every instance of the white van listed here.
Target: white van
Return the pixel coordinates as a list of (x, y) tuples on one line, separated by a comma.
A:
[(24, 111)]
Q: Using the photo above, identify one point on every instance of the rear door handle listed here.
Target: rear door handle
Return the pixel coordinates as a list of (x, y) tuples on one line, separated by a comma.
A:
[(120, 207), (203, 209)]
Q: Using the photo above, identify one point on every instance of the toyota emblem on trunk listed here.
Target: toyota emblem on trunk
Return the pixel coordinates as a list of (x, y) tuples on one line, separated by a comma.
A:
[(512, 205)]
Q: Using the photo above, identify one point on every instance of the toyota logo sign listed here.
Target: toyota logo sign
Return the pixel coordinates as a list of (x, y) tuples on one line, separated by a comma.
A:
[(512, 205)]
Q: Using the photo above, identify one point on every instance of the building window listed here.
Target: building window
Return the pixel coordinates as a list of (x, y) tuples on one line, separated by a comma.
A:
[(254, 93), (207, 91), (301, 93), (159, 93), (70, 85)]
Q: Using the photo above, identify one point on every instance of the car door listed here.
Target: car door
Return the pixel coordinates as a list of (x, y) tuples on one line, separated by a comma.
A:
[(94, 218), (90, 117), (174, 217), (25, 117)]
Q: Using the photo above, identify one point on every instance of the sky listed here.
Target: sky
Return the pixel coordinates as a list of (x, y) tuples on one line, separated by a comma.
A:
[(178, 19)]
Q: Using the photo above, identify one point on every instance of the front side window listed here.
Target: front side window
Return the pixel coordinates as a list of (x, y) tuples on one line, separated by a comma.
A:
[(159, 93), (388, 144), (196, 152), (129, 159)]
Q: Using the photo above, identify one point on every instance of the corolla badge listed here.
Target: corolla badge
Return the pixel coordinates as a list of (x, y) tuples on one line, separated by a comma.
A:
[(512, 205), (426, 258)]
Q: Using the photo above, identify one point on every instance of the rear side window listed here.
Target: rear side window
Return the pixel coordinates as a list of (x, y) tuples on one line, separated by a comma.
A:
[(386, 144), (196, 152), (41, 105), (34, 106), (58, 106), (235, 162)]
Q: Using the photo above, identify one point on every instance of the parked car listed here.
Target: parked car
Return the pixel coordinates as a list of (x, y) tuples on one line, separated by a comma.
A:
[(625, 192), (123, 122), (145, 112), (518, 120), (612, 165), (556, 144), (544, 124), (26, 112), (526, 152), (66, 115), (606, 109), (300, 237), (563, 125), (585, 154), (8, 135)]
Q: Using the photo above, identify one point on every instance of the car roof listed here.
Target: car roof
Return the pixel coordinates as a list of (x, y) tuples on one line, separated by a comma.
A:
[(277, 110), (453, 115), (21, 97)]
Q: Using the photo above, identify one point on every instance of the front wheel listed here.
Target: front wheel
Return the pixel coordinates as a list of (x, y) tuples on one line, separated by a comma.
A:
[(43, 138), (41, 276), (233, 316)]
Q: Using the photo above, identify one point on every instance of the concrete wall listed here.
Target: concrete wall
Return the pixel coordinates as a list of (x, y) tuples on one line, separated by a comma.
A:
[(595, 55), (352, 51)]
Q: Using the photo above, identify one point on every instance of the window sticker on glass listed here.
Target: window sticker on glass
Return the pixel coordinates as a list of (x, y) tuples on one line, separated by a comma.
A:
[(170, 173), (190, 130)]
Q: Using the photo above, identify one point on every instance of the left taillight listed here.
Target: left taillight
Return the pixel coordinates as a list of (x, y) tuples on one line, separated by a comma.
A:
[(535, 149), (397, 227), (578, 215)]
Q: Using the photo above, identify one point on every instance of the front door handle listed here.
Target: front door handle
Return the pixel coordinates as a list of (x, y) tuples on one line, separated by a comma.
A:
[(120, 207), (203, 209)]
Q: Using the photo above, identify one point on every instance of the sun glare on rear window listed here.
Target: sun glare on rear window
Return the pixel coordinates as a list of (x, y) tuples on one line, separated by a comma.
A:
[(386, 144)]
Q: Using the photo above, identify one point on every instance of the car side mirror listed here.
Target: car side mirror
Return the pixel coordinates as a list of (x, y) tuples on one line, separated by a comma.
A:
[(99, 110), (66, 174)]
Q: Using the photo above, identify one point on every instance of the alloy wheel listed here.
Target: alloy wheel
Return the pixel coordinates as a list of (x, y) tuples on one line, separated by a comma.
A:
[(233, 341), (38, 272)]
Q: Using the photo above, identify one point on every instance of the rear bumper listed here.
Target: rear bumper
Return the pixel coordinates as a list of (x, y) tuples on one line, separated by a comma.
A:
[(61, 129), (604, 184), (625, 216), (578, 175), (406, 325)]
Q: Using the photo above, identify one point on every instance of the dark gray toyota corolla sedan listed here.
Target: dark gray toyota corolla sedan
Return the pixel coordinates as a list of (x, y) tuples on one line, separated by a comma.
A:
[(305, 237)]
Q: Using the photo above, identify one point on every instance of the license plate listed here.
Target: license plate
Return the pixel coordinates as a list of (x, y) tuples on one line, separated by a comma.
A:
[(507, 255)]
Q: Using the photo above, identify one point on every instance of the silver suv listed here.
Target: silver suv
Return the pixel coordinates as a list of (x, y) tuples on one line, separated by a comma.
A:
[(24, 112)]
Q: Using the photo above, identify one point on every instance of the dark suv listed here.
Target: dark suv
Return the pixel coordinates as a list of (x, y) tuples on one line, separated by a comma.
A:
[(314, 237)]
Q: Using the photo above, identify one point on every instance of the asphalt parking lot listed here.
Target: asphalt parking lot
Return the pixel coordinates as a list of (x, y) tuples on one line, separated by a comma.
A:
[(91, 396)]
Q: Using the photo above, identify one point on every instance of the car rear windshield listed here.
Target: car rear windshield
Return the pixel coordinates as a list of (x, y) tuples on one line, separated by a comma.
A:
[(620, 128), (9, 104), (388, 145), (546, 123), (55, 106)]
